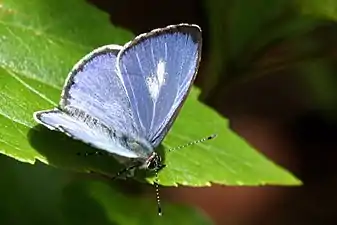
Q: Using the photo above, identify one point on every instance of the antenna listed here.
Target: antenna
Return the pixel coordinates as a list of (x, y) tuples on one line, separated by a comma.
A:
[(162, 166), (157, 195), (193, 142)]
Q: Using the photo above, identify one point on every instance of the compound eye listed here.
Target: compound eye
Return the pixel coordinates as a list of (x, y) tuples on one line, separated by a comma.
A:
[(153, 164)]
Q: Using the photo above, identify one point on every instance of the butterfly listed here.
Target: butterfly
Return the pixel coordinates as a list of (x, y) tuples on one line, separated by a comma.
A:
[(124, 99)]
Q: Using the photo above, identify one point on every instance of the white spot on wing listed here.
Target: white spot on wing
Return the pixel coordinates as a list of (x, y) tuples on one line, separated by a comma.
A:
[(157, 80), (161, 72)]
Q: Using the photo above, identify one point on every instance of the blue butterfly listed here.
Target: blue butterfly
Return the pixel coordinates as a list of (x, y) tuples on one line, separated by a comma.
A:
[(124, 99)]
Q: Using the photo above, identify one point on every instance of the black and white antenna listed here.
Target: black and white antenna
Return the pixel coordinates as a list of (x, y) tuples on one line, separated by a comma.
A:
[(157, 195), (193, 142), (170, 150)]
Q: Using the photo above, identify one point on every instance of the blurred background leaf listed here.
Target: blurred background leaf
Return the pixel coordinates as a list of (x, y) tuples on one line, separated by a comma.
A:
[(245, 34)]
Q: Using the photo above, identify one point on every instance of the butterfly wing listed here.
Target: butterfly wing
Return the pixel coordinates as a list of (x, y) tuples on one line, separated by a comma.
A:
[(94, 104), (157, 70), (81, 126), (93, 86)]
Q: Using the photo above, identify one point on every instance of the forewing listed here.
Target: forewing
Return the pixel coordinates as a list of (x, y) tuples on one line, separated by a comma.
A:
[(157, 70), (94, 87), (82, 126)]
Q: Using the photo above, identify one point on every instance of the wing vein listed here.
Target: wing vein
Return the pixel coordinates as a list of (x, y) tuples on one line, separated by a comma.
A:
[(134, 97)]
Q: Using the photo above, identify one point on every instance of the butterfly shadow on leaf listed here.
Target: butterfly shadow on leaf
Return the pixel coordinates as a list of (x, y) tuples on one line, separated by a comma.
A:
[(66, 153)]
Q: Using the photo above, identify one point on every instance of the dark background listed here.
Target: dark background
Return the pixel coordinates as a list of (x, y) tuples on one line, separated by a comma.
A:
[(275, 111)]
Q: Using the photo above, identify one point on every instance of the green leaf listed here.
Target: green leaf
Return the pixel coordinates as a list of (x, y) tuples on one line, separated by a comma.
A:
[(40, 42), (55, 197), (38, 49)]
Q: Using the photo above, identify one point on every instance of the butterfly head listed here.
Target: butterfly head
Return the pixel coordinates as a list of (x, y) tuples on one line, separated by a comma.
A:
[(154, 162)]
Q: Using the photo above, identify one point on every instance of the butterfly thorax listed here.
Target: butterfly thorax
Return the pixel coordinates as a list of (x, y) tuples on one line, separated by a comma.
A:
[(139, 146), (148, 158)]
